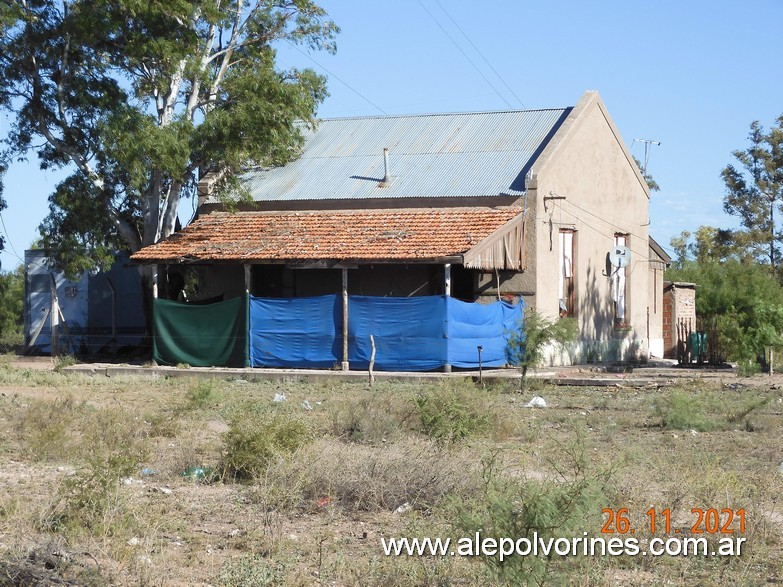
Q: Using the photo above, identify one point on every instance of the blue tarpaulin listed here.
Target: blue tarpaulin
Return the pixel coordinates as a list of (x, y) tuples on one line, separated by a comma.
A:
[(470, 325), (296, 332), (411, 334)]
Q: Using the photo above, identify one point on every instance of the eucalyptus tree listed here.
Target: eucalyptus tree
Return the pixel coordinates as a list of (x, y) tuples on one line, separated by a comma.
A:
[(754, 190), (139, 99)]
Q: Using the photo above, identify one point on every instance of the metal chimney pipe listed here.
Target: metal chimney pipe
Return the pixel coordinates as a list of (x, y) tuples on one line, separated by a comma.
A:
[(386, 175)]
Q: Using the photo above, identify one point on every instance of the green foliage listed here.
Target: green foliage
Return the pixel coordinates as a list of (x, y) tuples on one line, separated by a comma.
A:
[(710, 244), (754, 191), (526, 345), (64, 361), (652, 185), (744, 300), (142, 99), (450, 414), (562, 507), (203, 393), (251, 570), (684, 411), (113, 447), (690, 409), (256, 441), (12, 308)]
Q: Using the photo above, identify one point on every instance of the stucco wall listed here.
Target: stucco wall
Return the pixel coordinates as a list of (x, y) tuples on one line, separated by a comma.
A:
[(603, 195), (655, 306)]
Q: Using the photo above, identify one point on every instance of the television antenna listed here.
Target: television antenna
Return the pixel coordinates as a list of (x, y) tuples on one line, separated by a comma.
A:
[(647, 144)]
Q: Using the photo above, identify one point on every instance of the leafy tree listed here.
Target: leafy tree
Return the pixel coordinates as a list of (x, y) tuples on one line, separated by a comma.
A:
[(754, 191), (12, 308), (744, 300), (142, 98), (710, 244)]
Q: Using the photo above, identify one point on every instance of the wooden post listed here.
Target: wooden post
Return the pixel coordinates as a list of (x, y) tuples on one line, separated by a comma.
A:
[(54, 315), (345, 365), (447, 278), (372, 359)]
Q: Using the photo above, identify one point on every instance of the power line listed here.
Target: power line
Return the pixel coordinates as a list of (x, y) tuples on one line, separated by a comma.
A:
[(8, 239), (472, 44), (445, 32), (373, 104)]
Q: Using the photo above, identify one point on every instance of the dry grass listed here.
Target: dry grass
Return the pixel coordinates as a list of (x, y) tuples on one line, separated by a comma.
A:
[(93, 490)]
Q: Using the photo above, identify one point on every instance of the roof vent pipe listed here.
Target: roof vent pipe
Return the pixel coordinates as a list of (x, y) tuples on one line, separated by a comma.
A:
[(386, 164), (387, 178)]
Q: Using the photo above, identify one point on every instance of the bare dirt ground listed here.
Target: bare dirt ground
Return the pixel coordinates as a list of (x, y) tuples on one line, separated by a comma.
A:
[(92, 489)]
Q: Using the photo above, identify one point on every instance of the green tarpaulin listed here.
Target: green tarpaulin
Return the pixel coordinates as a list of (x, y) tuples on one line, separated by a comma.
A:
[(201, 336)]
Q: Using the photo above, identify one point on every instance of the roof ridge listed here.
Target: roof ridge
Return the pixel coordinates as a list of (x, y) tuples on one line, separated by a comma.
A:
[(435, 114)]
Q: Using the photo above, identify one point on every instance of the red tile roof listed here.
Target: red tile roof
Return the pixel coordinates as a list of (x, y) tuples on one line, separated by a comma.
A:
[(345, 235)]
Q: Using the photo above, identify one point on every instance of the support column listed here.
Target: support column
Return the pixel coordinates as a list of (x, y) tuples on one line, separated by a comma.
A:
[(447, 283), (345, 365), (247, 278), (155, 282), (54, 315)]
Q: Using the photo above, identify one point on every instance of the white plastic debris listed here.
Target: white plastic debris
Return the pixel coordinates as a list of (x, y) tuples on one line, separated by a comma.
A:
[(536, 402), (279, 398), (780, 468), (404, 508), (694, 433), (133, 541), (306, 405)]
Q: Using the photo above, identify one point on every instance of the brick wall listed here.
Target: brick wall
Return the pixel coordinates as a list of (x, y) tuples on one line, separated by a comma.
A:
[(679, 302)]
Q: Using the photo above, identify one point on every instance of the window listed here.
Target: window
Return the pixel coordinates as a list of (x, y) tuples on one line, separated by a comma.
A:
[(566, 278), (620, 286)]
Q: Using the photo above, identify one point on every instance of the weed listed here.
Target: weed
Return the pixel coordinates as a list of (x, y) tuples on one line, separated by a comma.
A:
[(373, 419), (47, 428), (254, 441), (363, 478), (251, 571), (64, 361), (682, 411), (203, 393), (534, 510), (450, 414)]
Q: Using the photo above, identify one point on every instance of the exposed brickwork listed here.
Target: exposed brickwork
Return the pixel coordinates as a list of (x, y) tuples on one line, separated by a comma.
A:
[(679, 302)]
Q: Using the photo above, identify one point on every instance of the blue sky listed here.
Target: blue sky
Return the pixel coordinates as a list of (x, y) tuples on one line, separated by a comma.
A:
[(692, 75)]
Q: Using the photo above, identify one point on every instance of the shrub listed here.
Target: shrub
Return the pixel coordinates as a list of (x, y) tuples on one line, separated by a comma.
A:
[(526, 345), (254, 441), (203, 393), (542, 509), (374, 418), (368, 479), (251, 570), (113, 448), (449, 414), (47, 428), (681, 411)]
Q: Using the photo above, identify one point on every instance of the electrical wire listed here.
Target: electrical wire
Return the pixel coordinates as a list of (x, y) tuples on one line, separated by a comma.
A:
[(370, 102), (445, 32), (472, 44), (8, 240)]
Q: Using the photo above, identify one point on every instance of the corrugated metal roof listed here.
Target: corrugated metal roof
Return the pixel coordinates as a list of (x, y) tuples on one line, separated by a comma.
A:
[(434, 155)]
